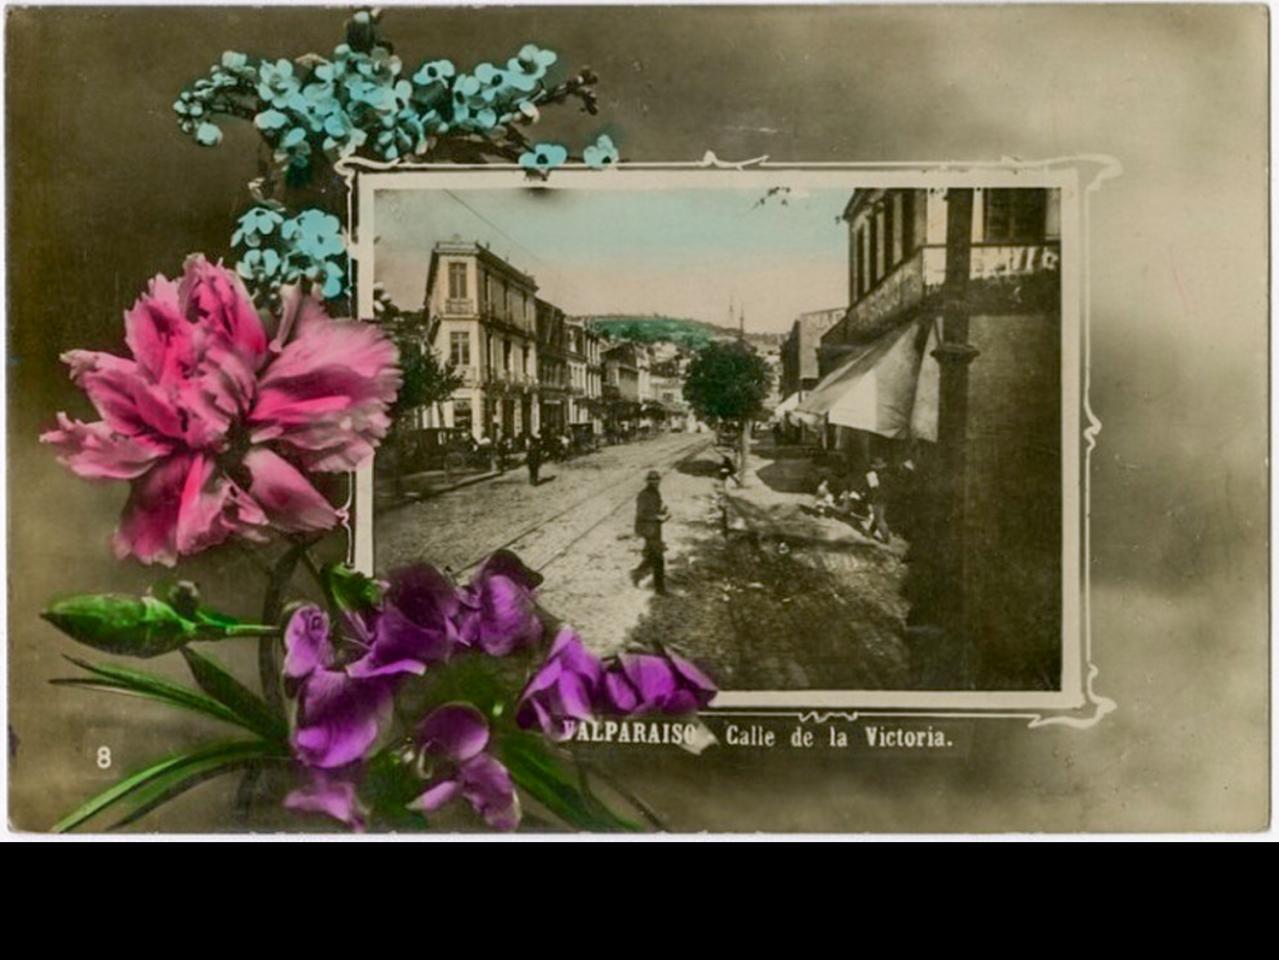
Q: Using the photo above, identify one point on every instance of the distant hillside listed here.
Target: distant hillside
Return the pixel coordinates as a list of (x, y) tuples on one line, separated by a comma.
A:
[(683, 331)]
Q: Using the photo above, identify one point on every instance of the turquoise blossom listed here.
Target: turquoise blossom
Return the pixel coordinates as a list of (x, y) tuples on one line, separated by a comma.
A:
[(256, 224), (603, 153), (543, 157)]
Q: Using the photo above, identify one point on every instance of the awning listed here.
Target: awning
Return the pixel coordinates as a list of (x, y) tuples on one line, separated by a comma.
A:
[(787, 405), (889, 387)]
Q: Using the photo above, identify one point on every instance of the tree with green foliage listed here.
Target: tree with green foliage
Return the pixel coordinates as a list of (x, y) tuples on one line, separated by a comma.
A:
[(726, 384), (427, 379)]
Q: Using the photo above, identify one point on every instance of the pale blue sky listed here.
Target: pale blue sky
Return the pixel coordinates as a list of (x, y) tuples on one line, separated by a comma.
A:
[(680, 252)]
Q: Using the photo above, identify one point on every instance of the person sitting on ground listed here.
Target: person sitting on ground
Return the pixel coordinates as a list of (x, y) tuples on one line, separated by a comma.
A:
[(824, 500)]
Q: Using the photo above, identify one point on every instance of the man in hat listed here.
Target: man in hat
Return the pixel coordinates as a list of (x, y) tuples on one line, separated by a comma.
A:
[(650, 514), (534, 459), (875, 496)]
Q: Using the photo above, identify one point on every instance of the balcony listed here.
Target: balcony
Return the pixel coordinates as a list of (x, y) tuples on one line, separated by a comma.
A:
[(923, 274)]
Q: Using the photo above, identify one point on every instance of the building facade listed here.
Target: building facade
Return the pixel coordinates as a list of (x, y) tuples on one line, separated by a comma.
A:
[(950, 356), (552, 369), (585, 373), (483, 314), (800, 369)]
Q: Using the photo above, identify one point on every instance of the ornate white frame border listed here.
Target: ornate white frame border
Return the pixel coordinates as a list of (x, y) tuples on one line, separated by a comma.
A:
[(1077, 703)]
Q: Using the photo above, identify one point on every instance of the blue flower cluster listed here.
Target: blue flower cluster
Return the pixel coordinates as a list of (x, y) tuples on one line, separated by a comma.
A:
[(275, 250), (363, 100)]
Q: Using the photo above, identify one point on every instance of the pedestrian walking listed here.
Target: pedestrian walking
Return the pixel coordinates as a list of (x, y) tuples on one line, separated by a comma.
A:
[(534, 460), (650, 514)]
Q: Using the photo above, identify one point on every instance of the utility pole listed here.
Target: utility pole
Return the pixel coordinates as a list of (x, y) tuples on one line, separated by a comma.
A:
[(954, 353)]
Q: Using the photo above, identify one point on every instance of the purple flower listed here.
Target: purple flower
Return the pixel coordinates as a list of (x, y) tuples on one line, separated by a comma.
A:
[(415, 627), (655, 683), (330, 794), (306, 642), (499, 614), (565, 689), (338, 716), (455, 735)]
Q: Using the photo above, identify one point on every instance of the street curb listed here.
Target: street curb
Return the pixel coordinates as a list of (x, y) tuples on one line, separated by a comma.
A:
[(470, 481)]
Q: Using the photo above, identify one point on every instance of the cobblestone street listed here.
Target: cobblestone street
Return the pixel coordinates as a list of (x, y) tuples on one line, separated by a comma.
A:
[(576, 527), (786, 601)]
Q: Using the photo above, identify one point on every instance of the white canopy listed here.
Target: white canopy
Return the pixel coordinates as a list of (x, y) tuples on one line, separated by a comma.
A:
[(889, 387)]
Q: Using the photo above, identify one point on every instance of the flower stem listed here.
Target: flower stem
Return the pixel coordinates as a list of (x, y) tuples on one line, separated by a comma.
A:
[(272, 606)]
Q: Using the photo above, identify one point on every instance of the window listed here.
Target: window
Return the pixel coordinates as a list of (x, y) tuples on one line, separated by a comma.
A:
[(863, 264), (460, 348), (908, 223), (524, 361), (506, 355), (895, 224), (876, 246), (457, 281), (1015, 215)]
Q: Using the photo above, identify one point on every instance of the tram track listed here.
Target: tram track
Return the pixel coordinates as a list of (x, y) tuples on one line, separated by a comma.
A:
[(681, 456)]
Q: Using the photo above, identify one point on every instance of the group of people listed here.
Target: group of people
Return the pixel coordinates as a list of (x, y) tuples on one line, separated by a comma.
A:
[(538, 449), (864, 502)]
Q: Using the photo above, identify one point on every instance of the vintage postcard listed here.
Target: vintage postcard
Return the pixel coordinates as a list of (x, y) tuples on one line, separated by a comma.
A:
[(419, 430)]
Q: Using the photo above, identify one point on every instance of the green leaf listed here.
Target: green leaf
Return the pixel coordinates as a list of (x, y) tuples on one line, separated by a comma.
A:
[(115, 623), (148, 686), (153, 785), (349, 589), (538, 773), (389, 785), (252, 710)]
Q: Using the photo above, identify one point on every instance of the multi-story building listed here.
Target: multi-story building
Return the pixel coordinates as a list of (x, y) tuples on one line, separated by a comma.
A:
[(950, 356), (799, 362), (552, 368), (483, 313), (585, 384)]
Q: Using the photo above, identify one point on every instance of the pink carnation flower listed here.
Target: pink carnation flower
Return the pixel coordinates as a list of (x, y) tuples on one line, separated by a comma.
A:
[(216, 426)]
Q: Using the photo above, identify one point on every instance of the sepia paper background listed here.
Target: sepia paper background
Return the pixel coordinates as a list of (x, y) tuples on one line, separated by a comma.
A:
[(103, 192)]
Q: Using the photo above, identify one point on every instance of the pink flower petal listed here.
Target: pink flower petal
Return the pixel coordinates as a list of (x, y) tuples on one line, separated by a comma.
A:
[(161, 339), (96, 452), (326, 395), (215, 299), (148, 527), (287, 497), (213, 509)]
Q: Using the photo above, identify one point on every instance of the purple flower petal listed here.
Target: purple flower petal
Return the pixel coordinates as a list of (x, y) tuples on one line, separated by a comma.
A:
[(400, 646), (331, 796), (569, 650), (504, 563), (702, 687), (455, 731), (504, 618), (620, 696), (339, 718), (651, 676), (436, 796), (423, 594), (487, 787), (307, 647)]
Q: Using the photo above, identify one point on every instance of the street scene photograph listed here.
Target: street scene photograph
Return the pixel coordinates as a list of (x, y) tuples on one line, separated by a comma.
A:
[(810, 438)]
